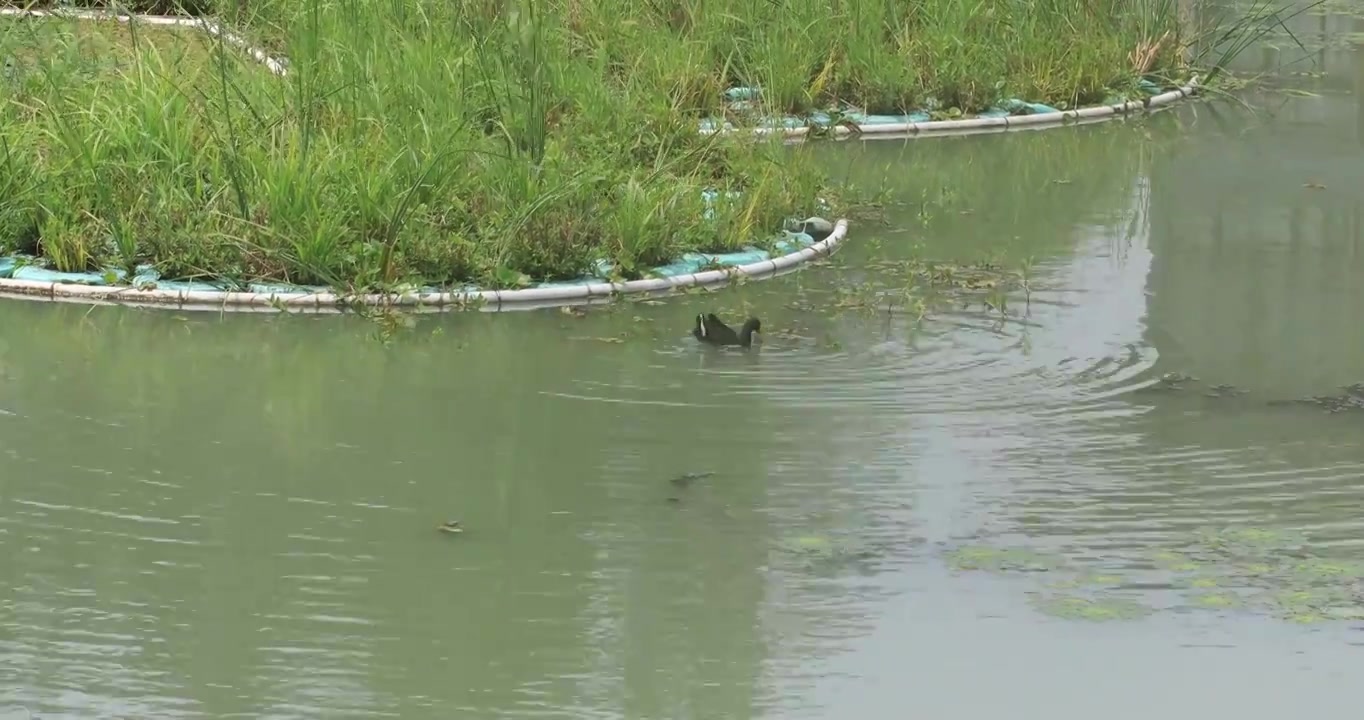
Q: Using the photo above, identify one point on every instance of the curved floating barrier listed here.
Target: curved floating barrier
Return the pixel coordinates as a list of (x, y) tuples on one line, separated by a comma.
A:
[(821, 124), (574, 293)]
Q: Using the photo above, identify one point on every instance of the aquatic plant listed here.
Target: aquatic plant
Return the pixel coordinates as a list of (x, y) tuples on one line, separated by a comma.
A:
[(823, 554), (1103, 608), (1270, 571), (438, 143), (393, 153)]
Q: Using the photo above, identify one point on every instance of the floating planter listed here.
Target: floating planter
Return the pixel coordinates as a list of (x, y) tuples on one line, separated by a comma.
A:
[(797, 248), (22, 277)]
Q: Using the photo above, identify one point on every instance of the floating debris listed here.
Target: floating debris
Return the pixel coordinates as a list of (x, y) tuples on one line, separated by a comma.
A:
[(1351, 399), (1216, 600), (1169, 382), (1089, 580), (820, 553), (686, 479), (710, 329), (1224, 390)]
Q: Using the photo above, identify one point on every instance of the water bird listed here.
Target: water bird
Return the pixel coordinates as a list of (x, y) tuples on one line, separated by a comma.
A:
[(816, 227), (450, 526), (709, 329)]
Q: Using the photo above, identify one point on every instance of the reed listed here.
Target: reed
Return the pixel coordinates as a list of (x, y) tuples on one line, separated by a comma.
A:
[(488, 141)]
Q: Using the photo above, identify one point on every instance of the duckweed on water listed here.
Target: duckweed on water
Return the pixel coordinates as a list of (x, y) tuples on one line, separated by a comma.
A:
[(1087, 580), (1216, 600), (1266, 570), (1245, 569), (1247, 542), (1349, 400), (818, 553), (1094, 609)]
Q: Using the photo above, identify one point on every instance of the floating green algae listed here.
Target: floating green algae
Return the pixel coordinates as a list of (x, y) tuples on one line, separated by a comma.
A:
[(1314, 604), (1073, 607), (1006, 559), (1266, 571), (1247, 542), (1087, 580), (1216, 600), (1204, 582), (1314, 569), (1175, 562), (811, 544)]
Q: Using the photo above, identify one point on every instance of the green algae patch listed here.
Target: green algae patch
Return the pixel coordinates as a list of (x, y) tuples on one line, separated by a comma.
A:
[(1324, 570), (811, 545), (1071, 592), (1216, 600), (1088, 580), (1204, 582), (1098, 609), (995, 559), (1263, 571)]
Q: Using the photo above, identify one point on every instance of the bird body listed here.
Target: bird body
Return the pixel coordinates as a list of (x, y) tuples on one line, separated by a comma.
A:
[(711, 330), (816, 227)]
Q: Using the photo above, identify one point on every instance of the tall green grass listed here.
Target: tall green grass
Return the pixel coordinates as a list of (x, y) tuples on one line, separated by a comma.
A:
[(496, 141), (420, 144)]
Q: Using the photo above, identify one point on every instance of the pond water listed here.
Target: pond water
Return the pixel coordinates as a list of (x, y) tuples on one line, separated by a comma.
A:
[(1104, 505)]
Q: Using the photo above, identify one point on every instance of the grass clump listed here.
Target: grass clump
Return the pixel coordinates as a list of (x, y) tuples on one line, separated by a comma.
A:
[(404, 146), (492, 141)]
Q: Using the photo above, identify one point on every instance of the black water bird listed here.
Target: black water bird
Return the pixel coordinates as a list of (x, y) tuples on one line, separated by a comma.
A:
[(709, 329)]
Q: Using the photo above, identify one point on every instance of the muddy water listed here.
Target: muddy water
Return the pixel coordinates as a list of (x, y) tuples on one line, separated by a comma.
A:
[(1105, 504)]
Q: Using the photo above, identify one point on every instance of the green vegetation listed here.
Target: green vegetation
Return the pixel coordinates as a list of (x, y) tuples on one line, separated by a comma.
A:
[(438, 143), (1096, 609), (1242, 569)]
